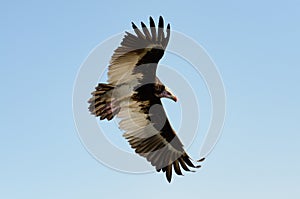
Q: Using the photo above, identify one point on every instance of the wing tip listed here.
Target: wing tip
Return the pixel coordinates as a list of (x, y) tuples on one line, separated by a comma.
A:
[(133, 25), (201, 160), (152, 24), (161, 22), (169, 173), (143, 24), (168, 26)]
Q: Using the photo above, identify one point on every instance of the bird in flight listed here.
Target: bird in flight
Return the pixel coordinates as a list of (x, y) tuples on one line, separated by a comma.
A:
[(133, 94)]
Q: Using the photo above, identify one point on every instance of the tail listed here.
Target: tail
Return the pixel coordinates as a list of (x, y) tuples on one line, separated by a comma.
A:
[(102, 104)]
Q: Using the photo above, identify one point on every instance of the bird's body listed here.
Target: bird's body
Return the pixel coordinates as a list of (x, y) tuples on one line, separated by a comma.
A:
[(133, 94)]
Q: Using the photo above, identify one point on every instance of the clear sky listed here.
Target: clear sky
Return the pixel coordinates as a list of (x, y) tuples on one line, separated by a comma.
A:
[(255, 45)]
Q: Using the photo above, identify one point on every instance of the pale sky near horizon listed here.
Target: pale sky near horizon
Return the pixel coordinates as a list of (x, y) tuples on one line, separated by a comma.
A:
[(255, 46)]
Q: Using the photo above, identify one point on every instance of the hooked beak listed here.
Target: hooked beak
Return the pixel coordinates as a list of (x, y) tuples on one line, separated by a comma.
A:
[(169, 95)]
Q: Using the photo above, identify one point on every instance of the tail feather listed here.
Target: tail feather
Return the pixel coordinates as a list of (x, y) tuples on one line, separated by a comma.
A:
[(102, 104)]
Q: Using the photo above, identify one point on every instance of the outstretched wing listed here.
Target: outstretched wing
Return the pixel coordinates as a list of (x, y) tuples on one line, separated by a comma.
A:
[(133, 63), (149, 132), (139, 54)]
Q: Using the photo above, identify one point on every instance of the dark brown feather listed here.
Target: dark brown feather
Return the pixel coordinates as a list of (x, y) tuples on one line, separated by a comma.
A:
[(146, 31), (177, 168), (169, 172), (183, 165), (153, 29), (137, 31), (165, 41), (160, 29)]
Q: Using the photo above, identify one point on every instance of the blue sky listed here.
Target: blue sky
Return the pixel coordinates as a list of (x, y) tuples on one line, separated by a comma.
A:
[(255, 45)]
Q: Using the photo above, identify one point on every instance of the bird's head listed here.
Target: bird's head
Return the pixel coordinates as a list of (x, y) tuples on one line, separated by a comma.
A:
[(162, 91), (168, 94)]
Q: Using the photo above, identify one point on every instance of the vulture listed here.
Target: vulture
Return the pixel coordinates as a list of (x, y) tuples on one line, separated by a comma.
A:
[(133, 94)]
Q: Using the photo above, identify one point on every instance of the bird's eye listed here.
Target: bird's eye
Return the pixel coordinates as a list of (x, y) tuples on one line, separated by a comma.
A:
[(160, 88)]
